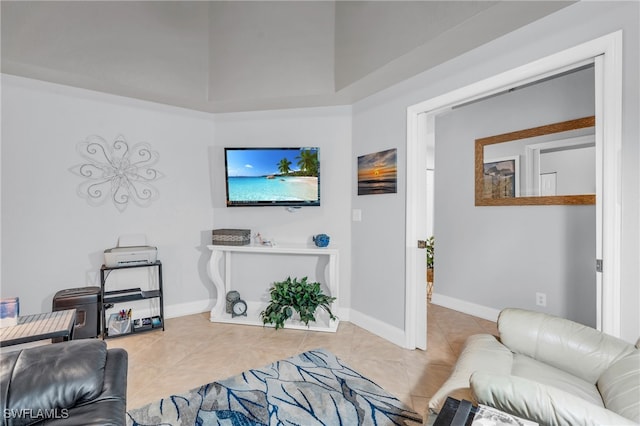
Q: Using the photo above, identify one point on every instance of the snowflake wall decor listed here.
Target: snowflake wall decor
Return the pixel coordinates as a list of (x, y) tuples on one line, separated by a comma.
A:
[(116, 172)]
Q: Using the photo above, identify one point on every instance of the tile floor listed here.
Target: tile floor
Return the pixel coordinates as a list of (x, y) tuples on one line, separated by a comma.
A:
[(193, 351)]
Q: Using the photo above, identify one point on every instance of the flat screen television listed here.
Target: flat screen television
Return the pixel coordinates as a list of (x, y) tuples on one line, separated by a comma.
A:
[(272, 176)]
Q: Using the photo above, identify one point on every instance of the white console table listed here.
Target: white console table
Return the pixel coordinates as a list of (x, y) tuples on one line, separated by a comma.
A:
[(223, 285)]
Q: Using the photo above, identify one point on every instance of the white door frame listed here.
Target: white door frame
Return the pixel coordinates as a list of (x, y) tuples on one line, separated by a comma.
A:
[(607, 51)]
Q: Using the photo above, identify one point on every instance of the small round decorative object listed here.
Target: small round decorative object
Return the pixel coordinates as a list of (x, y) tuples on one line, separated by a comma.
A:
[(232, 296), (239, 308), (321, 240)]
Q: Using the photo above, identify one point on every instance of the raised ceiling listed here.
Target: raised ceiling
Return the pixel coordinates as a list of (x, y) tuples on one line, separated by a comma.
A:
[(236, 56)]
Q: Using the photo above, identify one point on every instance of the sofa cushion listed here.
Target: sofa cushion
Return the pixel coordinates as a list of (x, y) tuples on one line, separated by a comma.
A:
[(620, 387), (108, 409), (56, 376), (480, 352), (580, 350), (546, 405), (529, 368)]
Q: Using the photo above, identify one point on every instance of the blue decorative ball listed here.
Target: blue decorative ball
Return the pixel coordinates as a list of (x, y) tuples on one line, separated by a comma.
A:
[(321, 240)]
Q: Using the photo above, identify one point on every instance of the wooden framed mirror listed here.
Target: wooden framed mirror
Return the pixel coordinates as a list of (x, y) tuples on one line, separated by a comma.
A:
[(546, 165)]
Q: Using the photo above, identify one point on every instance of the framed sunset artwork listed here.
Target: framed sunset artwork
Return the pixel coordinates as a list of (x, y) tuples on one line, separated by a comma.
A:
[(378, 173)]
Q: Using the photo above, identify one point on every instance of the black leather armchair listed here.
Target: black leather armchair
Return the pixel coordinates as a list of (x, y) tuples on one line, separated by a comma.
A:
[(72, 383)]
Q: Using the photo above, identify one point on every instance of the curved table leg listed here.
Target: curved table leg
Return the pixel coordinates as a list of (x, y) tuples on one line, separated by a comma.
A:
[(213, 268)]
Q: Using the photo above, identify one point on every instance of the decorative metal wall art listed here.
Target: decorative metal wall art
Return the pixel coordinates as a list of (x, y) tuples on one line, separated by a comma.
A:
[(116, 172)]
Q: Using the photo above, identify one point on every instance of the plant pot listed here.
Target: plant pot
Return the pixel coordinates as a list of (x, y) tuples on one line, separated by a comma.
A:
[(429, 283), (322, 319)]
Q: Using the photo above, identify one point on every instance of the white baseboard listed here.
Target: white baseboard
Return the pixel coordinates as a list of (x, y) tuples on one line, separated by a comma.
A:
[(200, 306), (373, 325), (377, 327), (189, 308), (465, 307), (343, 314)]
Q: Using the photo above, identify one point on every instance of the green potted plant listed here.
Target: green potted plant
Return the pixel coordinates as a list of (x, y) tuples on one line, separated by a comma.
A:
[(430, 252), (291, 295)]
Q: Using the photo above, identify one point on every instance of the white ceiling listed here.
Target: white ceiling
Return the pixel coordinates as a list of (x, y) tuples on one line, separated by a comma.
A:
[(236, 56)]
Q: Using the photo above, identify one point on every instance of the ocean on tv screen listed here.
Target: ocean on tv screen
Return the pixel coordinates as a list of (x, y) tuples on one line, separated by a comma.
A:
[(272, 188)]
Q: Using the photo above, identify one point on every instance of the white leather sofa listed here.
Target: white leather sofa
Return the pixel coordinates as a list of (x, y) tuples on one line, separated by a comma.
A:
[(549, 370)]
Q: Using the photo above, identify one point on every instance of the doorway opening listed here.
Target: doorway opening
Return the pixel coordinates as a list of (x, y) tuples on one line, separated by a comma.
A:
[(605, 52)]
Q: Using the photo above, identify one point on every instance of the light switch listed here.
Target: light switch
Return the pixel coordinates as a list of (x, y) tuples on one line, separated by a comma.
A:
[(356, 215)]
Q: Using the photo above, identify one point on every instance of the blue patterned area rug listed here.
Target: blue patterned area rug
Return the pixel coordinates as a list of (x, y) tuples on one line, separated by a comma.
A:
[(313, 388)]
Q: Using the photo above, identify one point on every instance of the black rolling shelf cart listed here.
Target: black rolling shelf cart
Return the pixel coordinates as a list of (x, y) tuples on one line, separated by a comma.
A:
[(110, 298)]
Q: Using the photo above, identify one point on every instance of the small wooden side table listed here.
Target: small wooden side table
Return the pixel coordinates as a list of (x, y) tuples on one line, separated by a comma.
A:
[(31, 328)]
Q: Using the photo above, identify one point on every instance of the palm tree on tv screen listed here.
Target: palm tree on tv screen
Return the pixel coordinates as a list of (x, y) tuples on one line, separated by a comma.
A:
[(283, 166), (308, 162)]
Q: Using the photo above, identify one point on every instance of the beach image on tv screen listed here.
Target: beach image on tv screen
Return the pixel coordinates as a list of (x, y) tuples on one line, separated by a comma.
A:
[(272, 175)]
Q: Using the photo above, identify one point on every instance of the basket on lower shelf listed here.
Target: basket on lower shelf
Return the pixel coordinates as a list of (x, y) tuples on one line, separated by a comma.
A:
[(231, 237), (118, 325)]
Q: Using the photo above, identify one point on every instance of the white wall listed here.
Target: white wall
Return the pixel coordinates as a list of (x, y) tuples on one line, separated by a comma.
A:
[(52, 239), (327, 128), (379, 122)]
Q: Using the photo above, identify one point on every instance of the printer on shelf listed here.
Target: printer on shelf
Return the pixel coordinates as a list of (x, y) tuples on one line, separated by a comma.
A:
[(131, 250)]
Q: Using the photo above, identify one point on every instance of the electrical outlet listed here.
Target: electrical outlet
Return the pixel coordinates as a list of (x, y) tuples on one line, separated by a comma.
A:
[(541, 299)]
